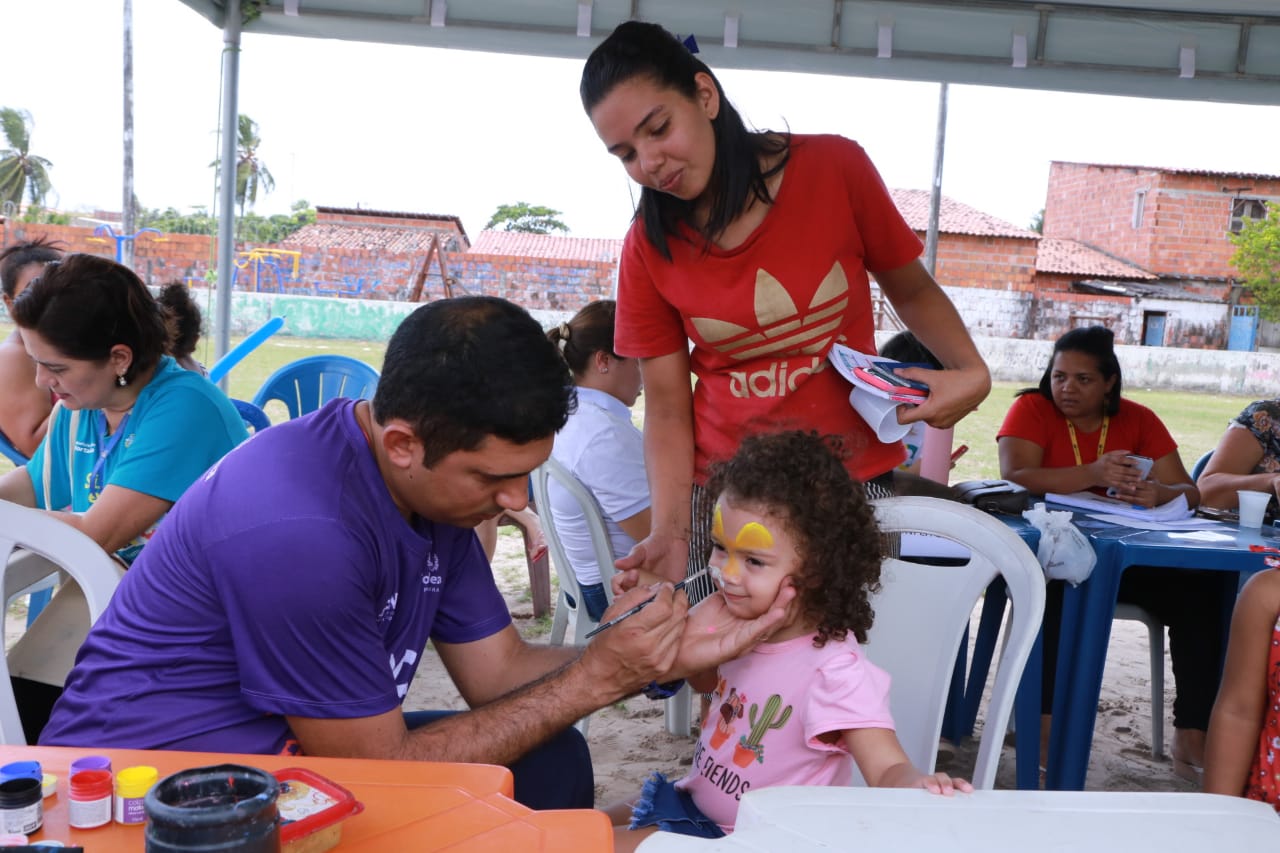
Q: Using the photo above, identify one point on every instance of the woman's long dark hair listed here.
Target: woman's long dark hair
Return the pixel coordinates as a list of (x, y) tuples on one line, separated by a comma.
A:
[(637, 49), (1096, 341)]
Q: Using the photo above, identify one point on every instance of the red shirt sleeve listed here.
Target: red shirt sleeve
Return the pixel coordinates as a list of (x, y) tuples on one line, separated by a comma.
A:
[(646, 325)]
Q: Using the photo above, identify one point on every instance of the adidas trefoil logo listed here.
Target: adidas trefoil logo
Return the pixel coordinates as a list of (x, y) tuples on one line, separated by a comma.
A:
[(783, 331)]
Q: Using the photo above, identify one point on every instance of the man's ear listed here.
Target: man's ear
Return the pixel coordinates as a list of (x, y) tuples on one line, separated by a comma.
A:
[(402, 445)]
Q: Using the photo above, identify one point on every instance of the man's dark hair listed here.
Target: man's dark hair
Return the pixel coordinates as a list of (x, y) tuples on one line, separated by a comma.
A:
[(460, 370)]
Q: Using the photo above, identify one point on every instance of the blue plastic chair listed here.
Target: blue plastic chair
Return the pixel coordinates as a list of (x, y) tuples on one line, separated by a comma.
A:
[(308, 383), (255, 420), (1198, 468)]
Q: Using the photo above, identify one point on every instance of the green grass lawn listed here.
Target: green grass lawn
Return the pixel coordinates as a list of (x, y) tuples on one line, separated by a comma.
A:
[(1196, 420)]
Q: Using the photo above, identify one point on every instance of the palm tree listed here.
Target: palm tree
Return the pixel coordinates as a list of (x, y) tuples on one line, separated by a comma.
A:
[(251, 173), (21, 172)]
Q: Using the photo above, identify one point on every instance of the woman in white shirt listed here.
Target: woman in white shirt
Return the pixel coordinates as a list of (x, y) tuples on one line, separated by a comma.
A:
[(600, 446)]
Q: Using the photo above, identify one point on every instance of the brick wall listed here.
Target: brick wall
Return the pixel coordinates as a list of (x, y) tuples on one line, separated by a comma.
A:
[(1185, 217), (997, 263), (355, 273)]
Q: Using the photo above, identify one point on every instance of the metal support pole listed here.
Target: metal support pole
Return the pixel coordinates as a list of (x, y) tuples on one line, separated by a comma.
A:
[(935, 192), (227, 177)]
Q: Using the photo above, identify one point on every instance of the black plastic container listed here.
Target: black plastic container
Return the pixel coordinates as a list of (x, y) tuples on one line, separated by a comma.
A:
[(213, 809), (21, 808)]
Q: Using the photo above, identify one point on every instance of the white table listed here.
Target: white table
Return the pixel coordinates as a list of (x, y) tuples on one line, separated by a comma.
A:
[(883, 820)]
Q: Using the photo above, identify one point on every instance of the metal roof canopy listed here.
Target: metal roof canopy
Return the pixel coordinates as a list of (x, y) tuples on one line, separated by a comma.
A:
[(1203, 50), (1228, 50)]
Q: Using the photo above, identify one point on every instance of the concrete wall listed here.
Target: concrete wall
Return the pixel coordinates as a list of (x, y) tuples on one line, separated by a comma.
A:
[(1011, 359), (1250, 374)]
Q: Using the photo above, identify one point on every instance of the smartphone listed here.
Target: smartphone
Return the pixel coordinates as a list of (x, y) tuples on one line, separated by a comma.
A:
[(1142, 463), (895, 385)]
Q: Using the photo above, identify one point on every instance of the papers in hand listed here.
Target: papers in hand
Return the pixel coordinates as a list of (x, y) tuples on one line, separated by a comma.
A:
[(878, 407), (1088, 501)]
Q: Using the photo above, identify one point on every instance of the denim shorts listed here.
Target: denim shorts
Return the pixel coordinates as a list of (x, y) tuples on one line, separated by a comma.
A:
[(662, 805)]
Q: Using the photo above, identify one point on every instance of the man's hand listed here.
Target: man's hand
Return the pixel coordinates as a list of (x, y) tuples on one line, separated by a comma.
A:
[(641, 648), (713, 635)]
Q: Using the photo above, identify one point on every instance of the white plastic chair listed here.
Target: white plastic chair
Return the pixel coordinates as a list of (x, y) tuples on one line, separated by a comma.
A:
[(1155, 648), (678, 707), (67, 549), (542, 476), (921, 613)]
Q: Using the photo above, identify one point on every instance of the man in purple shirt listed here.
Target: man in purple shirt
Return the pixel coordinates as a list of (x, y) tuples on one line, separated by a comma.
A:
[(286, 601)]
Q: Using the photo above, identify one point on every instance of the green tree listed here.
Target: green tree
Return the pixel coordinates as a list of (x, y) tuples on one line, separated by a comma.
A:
[(1037, 222), (526, 218), (21, 172), (1257, 259), (253, 228), (251, 173)]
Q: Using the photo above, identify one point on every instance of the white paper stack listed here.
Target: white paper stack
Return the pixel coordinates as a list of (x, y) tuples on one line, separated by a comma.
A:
[(1174, 510)]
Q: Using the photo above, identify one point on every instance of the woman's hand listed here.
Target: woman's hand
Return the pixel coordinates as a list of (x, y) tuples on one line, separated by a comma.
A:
[(663, 557), (952, 394), (1112, 470)]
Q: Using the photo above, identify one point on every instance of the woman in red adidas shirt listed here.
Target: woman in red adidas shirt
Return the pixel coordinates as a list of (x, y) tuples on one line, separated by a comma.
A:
[(756, 247)]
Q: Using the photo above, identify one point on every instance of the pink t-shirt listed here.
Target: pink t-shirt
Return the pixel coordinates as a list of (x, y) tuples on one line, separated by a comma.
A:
[(767, 712)]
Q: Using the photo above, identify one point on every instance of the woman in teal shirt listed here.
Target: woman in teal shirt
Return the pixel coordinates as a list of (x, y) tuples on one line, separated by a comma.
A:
[(131, 431)]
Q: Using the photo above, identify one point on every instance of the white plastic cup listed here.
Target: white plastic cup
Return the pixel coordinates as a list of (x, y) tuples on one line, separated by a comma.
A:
[(1253, 508)]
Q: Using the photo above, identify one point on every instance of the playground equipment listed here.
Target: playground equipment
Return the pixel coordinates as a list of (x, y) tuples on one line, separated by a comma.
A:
[(121, 239), (223, 365)]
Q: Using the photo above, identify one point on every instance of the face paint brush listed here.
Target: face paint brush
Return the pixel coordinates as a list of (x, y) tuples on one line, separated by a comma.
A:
[(641, 606)]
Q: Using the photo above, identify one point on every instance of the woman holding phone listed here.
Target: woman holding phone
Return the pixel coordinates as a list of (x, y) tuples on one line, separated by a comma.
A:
[(1075, 432)]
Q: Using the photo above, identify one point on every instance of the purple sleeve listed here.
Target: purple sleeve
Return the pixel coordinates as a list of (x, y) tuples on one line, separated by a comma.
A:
[(471, 606), (299, 598)]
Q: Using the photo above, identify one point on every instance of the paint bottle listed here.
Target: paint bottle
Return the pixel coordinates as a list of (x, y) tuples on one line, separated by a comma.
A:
[(21, 805), (19, 769), (90, 795), (90, 762), (214, 809), (132, 784)]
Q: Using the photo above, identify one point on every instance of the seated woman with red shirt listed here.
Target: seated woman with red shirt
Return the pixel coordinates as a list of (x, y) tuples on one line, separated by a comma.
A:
[(1074, 432)]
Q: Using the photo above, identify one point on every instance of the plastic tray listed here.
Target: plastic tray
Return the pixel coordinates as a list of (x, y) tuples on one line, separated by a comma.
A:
[(312, 809)]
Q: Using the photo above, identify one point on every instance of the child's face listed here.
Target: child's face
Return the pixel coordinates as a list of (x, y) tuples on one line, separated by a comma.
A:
[(752, 553)]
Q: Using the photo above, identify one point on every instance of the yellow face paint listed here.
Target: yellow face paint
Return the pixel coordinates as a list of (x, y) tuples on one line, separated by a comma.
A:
[(753, 536)]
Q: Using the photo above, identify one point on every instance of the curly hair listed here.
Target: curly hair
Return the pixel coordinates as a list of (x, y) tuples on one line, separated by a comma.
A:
[(799, 478)]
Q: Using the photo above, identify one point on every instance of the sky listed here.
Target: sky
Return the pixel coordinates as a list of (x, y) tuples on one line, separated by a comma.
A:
[(387, 127)]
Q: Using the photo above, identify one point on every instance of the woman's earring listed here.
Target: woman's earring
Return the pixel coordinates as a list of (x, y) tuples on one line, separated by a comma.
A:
[(121, 381)]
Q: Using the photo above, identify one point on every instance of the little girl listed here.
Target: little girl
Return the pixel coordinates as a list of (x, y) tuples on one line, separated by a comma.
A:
[(1242, 752), (800, 708)]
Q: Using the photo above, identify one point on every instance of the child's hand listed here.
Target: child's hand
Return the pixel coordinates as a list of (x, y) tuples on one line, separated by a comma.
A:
[(941, 783)]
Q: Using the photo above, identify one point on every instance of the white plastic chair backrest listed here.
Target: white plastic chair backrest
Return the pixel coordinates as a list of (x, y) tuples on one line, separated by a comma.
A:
[(921, 613), (600, 542), (72, 551)]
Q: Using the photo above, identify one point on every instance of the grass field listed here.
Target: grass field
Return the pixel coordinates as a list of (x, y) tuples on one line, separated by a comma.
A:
[(1196, 420)]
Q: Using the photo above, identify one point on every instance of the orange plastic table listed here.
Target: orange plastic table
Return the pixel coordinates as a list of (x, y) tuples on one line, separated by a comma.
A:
[(408, 805)]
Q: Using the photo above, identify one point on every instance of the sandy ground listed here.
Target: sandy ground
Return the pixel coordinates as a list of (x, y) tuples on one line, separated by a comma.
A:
[(628, 739)]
